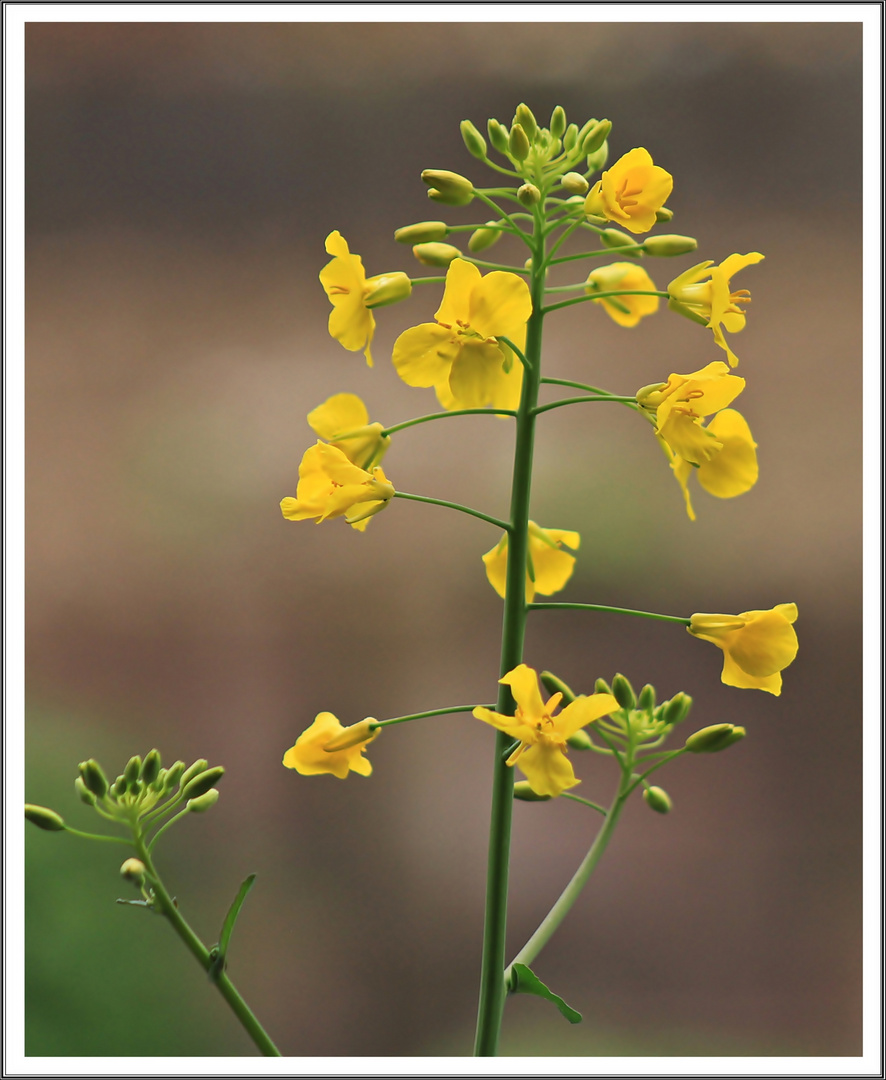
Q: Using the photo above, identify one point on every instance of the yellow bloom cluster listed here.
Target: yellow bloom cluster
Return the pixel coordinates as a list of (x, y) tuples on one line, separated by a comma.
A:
[(330, 486)]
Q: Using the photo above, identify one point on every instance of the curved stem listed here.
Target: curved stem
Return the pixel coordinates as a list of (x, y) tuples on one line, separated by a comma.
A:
[(428, 280), (163, 828), (585, 802), (614, 610), (495, 266), (97, 836), (519, 353), (595, 254), (539, 409), (665, 759), (505, 216), (442, 416), (603, 296), (455, 506), (422, 715)]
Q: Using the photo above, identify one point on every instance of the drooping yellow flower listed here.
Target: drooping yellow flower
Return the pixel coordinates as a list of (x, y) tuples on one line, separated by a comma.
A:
[(757, 645), (310, 758), (623, 275), (343, 420), (732, 471), (330, 486), (458, 354), (548, 566), (684, 401), (631, 191), (353, 295), (542, 750), (713, 299)]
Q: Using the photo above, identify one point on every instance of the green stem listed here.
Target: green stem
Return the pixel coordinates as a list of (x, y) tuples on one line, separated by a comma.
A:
[(614, 610), (595, 254), (505, 216), (443, 415), (521, 356), (578, 386), (455, 506), (422, 715), (163, 828), (585, 802), (570, 894), (428, 280), (495, 266), (226, 988), (97, 836), (539, 409), (665, 759), (602, 296), (492, 985)]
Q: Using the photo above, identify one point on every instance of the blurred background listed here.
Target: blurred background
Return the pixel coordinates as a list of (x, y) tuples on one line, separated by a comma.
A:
[(182, 179)]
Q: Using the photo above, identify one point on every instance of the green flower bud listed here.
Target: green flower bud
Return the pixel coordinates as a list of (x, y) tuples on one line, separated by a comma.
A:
[(646, 698), (44, 818), (528, 194), (83, 792), (601, 686), (663, 214), (132, 770), (448, 187), (525, 118), (649, 396), (119, 787), (558, 122), (203, 802), (173, 774), (657, 799), (575, 183), (94, 778), (435, 254), (484, 238), (553, 685), (711, 740), (498, 135), (677, 709), (599, 158), (473, 140), (159, 781), (615, 238), (580, 740), (524, 793), (422, 232), (570, 136), (151, 767), (133, 870), (670, 245), (386, 289), (518, 144), (623, 692), (203, 782), (596, 136), (193, 770)]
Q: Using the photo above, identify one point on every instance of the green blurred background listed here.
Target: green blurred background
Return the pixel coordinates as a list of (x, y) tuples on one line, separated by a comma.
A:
[(181, 181)]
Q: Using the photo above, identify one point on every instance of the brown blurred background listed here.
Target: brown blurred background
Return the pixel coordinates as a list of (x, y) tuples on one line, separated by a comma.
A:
[(181, 181)]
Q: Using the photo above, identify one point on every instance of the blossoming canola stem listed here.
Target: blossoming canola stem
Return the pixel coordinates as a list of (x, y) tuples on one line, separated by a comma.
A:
[(615, 610)]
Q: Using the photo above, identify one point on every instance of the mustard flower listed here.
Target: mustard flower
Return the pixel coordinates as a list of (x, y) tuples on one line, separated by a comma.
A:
[(343, 420), (353, 295), (713, 299), (732, 471), (623, 275), (631, 192), (310, 758), (458, 354), (548, 566), (542, 750), (757, 645), (330, 486)]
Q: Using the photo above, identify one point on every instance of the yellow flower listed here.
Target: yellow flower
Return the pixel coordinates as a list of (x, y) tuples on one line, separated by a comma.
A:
[(542, 750), (458, 354), (631, 191), (731, 471), (353, 295), (682, 403), (310, 758), (623, 275), (548, 567), (713, 299), (330, 486), (343, 420), (757, 645)]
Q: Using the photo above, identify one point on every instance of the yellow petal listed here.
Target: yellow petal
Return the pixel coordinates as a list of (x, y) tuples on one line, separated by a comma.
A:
[(455, 307), (496, 563), (584, 711), (523, 682), (499, 305), (766, 645), (423, 354), (733, 675), (734, 469), (310, 759), (688, 439), (477, 370), (547, 769), (553, 567), (510, 725), (338, 414)]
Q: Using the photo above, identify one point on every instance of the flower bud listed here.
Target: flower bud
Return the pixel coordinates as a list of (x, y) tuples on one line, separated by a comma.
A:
[(482, 239), (193, 770), (574, 183), (525, 118), (558, 122), (615, 238), (553, 685), (364, 732), (518, 143), (601, 686), (203, 802), (83, 792), (580, 740), (386, 289), (132, 770), (599, 158), (423, 232), (448, 187), (670, 244), (151, 767), (649, 396), (570, 136), (657, 799), (712, 739), (119, 787), (595, 138), (435, 254), (203, 782), (646, 698), (173, 774), (663, 214), (473, 140), (498, 135), (623, 692), (677, 709), (44, 818), (528, 194), (524, 793), (133, 870), (94, 778)]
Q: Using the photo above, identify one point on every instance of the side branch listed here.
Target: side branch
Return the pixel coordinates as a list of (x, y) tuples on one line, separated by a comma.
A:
[(505, 525), (577, 400), (442, 416), (606, 607)]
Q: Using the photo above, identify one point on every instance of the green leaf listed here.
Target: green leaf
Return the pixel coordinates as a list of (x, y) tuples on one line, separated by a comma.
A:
[(218, 954), (525, 981)]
